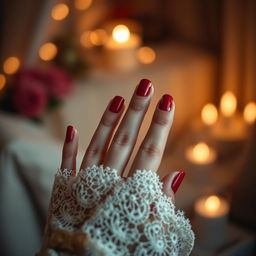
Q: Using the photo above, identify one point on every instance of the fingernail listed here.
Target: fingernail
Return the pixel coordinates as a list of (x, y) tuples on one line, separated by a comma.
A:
[(70, 134), (116, 104), (166, 103), (177, 181), (144, 88)]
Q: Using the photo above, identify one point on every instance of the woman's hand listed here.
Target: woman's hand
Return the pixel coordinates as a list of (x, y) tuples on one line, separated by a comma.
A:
[(97, 211), (115, 153)]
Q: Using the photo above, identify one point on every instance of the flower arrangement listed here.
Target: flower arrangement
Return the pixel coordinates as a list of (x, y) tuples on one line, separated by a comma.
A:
[(33, 92)]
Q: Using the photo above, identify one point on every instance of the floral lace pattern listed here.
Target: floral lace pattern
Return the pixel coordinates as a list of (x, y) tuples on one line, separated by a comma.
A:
[(74, 197), (120, 217)]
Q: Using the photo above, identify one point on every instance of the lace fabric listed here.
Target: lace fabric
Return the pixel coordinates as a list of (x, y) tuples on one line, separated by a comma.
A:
[(119, 217)]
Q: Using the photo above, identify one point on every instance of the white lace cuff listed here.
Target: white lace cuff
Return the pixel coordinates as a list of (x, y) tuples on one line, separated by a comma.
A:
[(99, 213)]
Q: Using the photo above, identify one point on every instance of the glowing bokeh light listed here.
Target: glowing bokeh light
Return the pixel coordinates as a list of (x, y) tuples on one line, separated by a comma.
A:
[(201, 152), (60, 11), (121, 33), (212, 203), (98, 37), (146, 55), (250, 112), (11, 65), (209, 114), (82, 4), (228, 104), (2, 81), (48, 51)]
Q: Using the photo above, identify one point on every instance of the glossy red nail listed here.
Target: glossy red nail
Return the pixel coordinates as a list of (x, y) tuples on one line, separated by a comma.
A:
[(70, 134), (177, 181), (116, 104), (144, 88), (166, 102)]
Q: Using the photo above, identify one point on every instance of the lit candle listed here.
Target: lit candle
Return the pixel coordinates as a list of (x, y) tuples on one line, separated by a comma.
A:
[(201, 154), (211, 214), (228, 104), (201, 158), (230, 127), (250, 112), (121, 48), (209, 114)]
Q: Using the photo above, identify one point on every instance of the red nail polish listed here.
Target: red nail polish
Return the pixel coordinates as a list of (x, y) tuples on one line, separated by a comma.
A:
[(144, 88), (166, 102), (70, 134), (116, 104), (177, 181)]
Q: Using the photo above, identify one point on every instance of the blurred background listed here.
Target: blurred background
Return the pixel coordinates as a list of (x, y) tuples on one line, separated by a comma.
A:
[(63, 60)]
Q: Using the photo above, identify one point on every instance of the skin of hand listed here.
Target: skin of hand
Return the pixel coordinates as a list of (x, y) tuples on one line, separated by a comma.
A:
[(113, 147)]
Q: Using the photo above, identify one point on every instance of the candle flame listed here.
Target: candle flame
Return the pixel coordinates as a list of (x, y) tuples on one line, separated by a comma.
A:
[(201, 152), (212, 203), (250, 112), (228, 104), (209, 114), (121, 33)]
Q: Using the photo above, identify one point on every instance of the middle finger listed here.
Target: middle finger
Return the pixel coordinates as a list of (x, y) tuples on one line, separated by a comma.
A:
[(126, 135)]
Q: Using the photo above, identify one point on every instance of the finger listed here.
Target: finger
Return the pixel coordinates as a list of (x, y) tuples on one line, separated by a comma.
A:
[(125, 137), (100, 141), (151, 150), (171, 183), (69, 151)]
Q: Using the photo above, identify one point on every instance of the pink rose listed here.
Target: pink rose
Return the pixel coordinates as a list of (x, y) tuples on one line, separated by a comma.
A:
[(58, 82), (30, 97)]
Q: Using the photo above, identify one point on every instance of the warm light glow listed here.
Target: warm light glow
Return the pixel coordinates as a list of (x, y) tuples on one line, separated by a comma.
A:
[(201, 152), (121, 33), (209, 114), (60, 11), (250, 112), (146, 55), (48, 51), (82, 4), (2, 81), (228, 104), (11, 65), (212, 203), (98, 37), (85, 39)]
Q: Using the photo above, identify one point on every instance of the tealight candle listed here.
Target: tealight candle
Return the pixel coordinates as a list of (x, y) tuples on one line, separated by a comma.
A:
[(229, 132), (201, 158), (250, 113), (211, 214), (230, 126), (201, 154), (209, 114), (121, 48)]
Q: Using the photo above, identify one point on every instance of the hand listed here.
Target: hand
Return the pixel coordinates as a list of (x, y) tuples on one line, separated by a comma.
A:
[(117, 153), (127, 217)]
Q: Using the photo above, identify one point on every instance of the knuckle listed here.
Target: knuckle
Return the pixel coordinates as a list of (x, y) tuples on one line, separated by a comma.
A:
[(107, 121), (137, 105), (160, 120), (122, 139), (151, 149), (92, 152)]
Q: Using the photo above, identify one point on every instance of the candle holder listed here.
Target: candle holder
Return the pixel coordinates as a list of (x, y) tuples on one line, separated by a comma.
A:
[(121, 48), (210, 221), (201, 159)]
